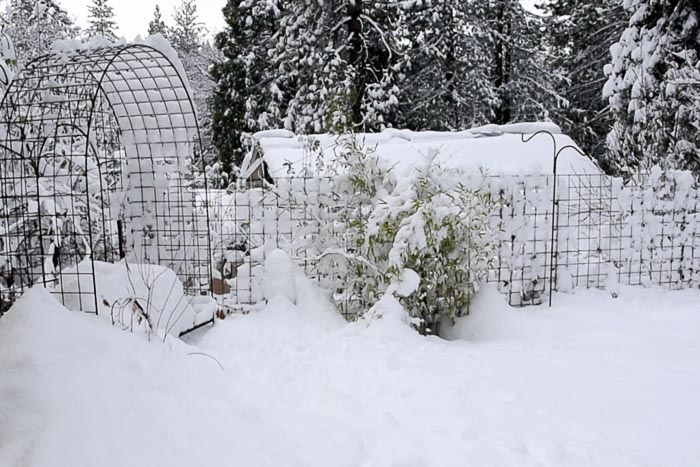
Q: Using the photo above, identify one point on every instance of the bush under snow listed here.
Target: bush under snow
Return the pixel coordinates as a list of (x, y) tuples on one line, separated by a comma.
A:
[(381, 226), (142, 297)]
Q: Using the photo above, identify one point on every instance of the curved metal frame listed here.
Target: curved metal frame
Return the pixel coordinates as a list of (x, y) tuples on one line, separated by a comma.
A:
[(96, 146)]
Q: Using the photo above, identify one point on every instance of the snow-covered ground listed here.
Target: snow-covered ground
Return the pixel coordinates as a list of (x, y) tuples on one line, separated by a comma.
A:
[(593, 381)]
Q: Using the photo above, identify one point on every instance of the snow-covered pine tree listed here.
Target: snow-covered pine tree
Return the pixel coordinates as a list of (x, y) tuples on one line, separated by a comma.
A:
[(101, 20), (197, 56), (371, 52), (33, 25), (523, 80), (302, 68), (241, 99), (335, 65), (187, 32), (654, 87), (261, 23), (579, 34), (197, 66), (157, 25), (445, 81), (228, 100)]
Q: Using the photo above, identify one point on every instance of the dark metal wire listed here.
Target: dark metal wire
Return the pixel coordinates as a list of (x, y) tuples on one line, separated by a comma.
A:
[(557, 232), (556, 152), (93, 145)]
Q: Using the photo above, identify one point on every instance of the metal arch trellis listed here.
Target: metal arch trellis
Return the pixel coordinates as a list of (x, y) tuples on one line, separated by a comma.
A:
[(96, 147)]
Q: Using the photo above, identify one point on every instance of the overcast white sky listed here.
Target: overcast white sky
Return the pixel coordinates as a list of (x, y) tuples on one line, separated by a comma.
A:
[(133, 16)]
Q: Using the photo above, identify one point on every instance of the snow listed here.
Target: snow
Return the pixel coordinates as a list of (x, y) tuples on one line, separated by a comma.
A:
[(70, 45), (279, 276), (593, 381), (491, 149), (407, 284), (162, 45), (156, 289)]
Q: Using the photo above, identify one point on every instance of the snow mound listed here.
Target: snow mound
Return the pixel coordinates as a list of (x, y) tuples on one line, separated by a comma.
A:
[(612, 382), (387, 320), (123, 291), (279, 276), (77, 391), (494, 149), (492, 319)]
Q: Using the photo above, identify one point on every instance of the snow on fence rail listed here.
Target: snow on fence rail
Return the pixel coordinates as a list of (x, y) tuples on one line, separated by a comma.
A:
[(604, 233)]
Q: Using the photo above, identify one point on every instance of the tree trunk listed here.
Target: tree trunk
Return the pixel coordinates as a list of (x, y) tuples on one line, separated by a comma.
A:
[(356, 59), (502, 61)]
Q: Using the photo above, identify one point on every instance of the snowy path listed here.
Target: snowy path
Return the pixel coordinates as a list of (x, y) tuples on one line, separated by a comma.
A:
[(592, 382)]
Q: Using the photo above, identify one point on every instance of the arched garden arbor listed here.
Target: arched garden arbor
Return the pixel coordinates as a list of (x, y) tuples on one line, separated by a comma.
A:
[(96, 152)]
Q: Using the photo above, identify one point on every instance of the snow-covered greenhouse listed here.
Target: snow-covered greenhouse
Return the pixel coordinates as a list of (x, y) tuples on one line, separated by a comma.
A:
[(96, 147)]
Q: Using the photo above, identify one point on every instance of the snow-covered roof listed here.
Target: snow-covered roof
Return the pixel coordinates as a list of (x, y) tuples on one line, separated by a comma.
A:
[(493, 149)]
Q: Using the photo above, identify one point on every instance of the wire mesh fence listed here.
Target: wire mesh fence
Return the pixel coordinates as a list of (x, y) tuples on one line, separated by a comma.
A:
[(597, 232)]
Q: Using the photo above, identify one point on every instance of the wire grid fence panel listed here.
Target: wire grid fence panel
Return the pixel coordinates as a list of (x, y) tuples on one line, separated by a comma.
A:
[(300, 215), (644, 234), (604, 233), (96, 148), (248, 223), (524, 220)]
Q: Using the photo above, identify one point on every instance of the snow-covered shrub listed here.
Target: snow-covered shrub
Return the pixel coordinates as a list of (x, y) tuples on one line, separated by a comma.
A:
[(53, 209), (380, 226), (444, 235), (137, 297), (432, 224)]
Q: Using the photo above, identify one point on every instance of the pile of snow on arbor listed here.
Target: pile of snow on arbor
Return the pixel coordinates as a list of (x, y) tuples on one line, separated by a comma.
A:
[(95, 165)]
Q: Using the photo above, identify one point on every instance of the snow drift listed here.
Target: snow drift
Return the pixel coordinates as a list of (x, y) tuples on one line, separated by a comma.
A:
[(127, 292), (591, 382), (492, 149)]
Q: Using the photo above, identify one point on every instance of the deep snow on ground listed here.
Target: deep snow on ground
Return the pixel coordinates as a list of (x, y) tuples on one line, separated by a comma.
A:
[(593, 381)]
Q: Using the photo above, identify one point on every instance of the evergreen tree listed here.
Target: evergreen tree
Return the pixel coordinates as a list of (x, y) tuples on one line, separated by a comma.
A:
[(101, 20), (580, 33), (157, 25), (261, 23), (186, 35), (524, 83), (197, 67), (302, 69), (197, 57), (241, 99), (446, 83), (653, 87), (229, 99), (33, 25), (335, 65), (371, 54)]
